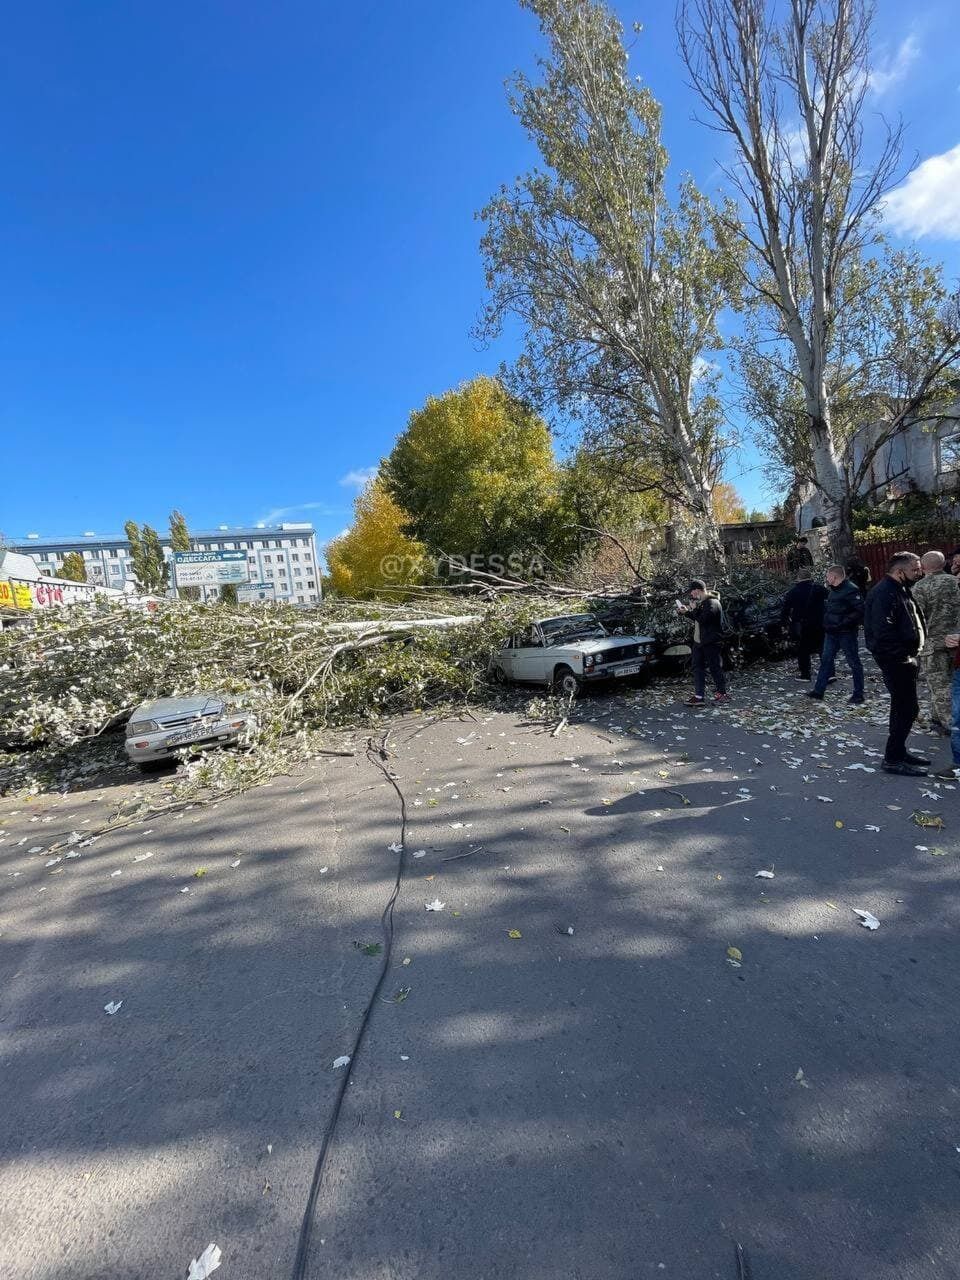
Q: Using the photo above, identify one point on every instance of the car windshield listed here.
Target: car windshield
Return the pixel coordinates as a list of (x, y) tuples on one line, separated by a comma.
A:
[(579, 626)]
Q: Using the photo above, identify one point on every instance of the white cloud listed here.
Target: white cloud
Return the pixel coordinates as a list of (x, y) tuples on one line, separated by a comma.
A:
[(883, 77), (282, 513), (928, 203), (357, 478)]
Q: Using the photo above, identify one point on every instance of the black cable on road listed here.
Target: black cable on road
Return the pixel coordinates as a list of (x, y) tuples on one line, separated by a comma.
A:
[(376, 756)]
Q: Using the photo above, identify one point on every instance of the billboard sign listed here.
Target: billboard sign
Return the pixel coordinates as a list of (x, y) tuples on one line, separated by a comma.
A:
[(251, 592), (210, 568)]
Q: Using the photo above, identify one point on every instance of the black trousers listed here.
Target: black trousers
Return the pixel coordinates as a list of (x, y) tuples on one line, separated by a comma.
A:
[(901, 681), (704, 656), (808, 644)]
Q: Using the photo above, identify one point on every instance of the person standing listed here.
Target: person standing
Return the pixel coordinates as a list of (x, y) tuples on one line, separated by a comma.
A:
[(938, 595), (707, 616), (799, 555), (953, 562), (842, 615), (802, 615), (895, 636), (859, 574), (953, 771)]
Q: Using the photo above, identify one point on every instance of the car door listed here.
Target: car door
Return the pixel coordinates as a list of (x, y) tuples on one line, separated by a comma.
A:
[(504, 659), (530, 657)]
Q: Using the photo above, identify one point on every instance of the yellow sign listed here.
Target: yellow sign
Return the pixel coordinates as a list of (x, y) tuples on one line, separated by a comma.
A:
[(15, 596)]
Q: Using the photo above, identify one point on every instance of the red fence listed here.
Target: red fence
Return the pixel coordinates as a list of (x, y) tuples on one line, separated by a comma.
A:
[(876, 555)]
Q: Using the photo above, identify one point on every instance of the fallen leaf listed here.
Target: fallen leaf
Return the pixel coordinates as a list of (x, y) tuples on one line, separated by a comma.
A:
[(405, 960), (341, 1062), (825, 799), (200, 873), (514, 933), (142, 857), (435, 905), (420, 853), (398, 1115), (734, 953), (868, 920), (112, 1007), (206, 1264), (764, 875), (801, 1078), (838, 824), (832, 905), (869, 827), (395, 848)]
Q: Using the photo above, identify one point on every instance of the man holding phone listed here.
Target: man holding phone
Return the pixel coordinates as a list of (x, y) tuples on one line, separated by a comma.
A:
[(707, 616)]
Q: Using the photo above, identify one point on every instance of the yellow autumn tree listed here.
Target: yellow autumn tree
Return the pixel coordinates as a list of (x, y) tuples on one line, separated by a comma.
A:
[(728, 506), (374, 555), (475, 472)]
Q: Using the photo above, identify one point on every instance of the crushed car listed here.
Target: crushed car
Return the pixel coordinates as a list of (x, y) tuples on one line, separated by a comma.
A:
[(569, 652), (157, 731)]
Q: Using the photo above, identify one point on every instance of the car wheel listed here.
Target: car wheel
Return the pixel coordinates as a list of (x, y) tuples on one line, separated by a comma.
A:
[(497, 676), (566, 682), (155, 766)]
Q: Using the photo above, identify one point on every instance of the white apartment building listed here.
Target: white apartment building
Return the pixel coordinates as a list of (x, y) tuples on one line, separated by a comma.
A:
[(282, 556)]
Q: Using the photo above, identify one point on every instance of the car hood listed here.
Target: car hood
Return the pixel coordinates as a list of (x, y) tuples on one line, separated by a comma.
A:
[(601, 644)]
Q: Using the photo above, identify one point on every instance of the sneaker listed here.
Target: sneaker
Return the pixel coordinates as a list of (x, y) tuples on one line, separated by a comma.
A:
[(813, 694), (721, 697), (949, 774), (805, 679), (857, 700), (911, 758), (904, 768), (694, 701)]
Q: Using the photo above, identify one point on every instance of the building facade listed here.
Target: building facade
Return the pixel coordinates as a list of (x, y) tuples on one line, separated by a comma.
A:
[(283, 558)]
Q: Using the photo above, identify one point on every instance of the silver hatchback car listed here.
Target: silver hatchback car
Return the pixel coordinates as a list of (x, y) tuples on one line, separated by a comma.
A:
[(158, 730)]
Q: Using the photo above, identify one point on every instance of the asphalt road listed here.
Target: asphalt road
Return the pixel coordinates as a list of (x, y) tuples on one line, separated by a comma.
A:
[(611, 1104)]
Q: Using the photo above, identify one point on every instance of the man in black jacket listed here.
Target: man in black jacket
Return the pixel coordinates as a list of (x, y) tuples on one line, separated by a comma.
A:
[(707, 616), (895, 635), (842, 615), (802, 615)]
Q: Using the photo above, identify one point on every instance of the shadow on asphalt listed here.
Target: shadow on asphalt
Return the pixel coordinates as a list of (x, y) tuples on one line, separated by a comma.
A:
[(588, 1105)]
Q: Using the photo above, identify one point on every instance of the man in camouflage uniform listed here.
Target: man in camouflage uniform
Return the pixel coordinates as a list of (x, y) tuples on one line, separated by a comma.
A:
[(938, 595)]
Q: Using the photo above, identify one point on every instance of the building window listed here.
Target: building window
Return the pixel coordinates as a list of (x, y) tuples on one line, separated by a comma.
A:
[(311, 584), (298, 572), (268, 573), (300, 599), (228, 546), (295, 555)]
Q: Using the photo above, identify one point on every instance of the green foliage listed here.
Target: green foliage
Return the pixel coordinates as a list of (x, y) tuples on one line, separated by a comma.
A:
[(74, 567), (617, 287), (179, 534), (180, 541), (228, 593), (474, 474), (150, 569)]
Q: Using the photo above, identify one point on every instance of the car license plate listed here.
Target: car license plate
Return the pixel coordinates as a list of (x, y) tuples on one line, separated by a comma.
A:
[(186, 735), (627, 671)]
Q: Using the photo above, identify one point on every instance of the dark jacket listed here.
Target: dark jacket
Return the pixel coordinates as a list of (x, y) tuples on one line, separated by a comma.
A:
[(797, 556), (708, 620), (893, 624), (859, 574), (843, 611), (802, 609)]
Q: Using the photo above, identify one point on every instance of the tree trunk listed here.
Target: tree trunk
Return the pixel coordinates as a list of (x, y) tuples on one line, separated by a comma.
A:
[(832, 481)]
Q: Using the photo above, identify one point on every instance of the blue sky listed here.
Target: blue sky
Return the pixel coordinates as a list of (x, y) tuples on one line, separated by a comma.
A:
[(238, 243)]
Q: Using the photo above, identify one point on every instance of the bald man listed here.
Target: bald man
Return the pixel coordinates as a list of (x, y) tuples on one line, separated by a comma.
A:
[(938, 595)]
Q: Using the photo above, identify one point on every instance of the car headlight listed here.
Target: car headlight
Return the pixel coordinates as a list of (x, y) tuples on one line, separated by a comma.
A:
[(598, 658), (588, 660), (137, 727)]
